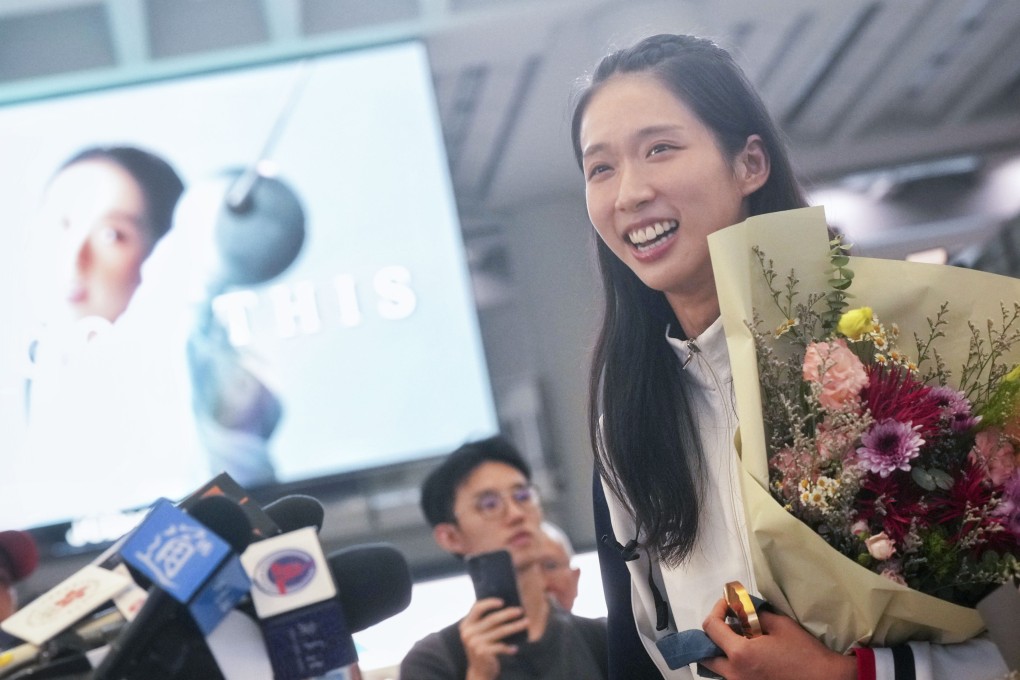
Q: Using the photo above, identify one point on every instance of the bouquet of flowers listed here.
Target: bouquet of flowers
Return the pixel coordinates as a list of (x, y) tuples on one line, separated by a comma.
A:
[(882, 485), (912, 477)]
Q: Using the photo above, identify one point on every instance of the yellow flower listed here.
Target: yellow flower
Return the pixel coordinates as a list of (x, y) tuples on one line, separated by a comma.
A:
[(856, 323), (784, 327), (1013, 375)]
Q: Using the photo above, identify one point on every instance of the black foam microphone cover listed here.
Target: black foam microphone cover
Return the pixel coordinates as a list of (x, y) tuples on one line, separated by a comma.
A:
[(373, 583), (296, 511), (225, 518)]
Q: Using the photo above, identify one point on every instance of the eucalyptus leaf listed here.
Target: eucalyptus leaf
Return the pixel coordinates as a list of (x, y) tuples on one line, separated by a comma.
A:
[(923, 478), (943, 480)]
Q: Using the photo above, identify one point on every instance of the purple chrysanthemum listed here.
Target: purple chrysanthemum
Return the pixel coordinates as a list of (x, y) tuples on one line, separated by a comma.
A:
[(955, 409), (1010, 505), (889, 445)]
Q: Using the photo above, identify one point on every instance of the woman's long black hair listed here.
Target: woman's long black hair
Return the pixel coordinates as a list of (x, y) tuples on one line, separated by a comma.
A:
[(639, 420)]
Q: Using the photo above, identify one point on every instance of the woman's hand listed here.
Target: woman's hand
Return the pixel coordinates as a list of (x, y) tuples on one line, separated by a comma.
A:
[(482, 632), (785, 652)]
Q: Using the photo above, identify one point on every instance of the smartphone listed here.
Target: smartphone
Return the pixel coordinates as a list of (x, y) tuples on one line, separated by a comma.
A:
[(493, 575)]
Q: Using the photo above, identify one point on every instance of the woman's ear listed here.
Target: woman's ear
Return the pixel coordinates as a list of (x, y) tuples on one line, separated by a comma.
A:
[(447, 535), (752, 165)]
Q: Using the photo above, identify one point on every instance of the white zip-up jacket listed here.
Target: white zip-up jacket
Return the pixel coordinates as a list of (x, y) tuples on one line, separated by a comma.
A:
[(722, 554)]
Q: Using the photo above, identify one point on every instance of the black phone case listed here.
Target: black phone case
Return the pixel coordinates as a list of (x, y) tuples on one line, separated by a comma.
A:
[(493, 575)]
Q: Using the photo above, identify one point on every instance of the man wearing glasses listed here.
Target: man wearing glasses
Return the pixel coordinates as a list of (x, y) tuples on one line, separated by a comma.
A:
[(481, 499)]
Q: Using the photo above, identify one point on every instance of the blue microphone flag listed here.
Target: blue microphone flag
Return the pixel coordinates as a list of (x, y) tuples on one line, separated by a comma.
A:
[(189, 562)]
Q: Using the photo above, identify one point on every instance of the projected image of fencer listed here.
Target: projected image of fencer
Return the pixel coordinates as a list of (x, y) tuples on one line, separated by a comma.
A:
[(251, 228), (101, 215)]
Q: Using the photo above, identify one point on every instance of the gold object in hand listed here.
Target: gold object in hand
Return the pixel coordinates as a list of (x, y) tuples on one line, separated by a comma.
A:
[(739, 602)]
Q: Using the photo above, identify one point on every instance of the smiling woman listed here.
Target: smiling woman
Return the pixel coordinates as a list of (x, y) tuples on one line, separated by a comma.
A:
[(657, 183), (674, 145)]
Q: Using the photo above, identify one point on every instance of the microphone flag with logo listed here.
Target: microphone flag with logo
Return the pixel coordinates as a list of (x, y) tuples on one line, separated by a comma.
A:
[(65, 604), (295, 598), (189, 562)]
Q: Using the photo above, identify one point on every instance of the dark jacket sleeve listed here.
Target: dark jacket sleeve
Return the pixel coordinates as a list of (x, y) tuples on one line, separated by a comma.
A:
[(434, 657), (628, 659)]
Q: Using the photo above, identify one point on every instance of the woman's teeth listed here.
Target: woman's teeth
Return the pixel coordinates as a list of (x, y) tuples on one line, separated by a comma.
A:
[(653, 232)]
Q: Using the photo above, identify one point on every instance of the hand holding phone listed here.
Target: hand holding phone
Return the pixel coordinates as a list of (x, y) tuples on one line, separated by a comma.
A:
[(493, 575)]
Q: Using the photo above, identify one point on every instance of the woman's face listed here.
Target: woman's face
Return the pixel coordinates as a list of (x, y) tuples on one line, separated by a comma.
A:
[(95, 216), (657, 183)]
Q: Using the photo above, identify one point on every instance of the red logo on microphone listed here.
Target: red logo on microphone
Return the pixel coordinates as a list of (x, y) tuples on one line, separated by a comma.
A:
[(284, 573)]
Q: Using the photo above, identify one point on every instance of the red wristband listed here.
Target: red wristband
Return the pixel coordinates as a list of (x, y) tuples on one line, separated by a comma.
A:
[(865, 663)]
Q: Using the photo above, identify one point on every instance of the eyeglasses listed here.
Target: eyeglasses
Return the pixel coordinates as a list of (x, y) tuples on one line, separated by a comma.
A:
[(493, 504), (550, 566)]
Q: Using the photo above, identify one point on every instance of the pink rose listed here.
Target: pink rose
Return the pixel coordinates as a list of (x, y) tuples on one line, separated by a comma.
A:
[(859, 528), (838, 370), (881, 546), (791, 463), (994, 453), (894, 576), (834, 443), (792, 466)]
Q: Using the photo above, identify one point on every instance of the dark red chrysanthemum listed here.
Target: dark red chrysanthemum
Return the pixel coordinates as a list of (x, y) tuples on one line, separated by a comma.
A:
[(968, 492), (893, 393), (891, 504)]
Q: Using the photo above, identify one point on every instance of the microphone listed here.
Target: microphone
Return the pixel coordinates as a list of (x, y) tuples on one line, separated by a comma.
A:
[(93, 633), (296, 511), (285, 514), (262, 523), (302, 622), (373, 582), (192, 563), (64, 605)]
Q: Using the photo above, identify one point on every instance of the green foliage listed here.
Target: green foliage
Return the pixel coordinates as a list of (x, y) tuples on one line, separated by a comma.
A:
[(985, 369), (840, 278), (930, 479)]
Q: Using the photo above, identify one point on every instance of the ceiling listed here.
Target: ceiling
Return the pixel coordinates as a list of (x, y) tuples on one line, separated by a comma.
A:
[(856, 84)]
